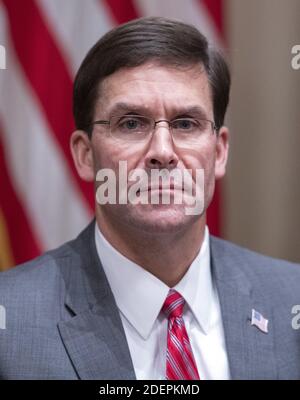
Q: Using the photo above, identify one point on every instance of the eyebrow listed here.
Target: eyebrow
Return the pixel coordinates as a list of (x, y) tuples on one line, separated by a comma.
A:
[(195, 111), (122, 108)]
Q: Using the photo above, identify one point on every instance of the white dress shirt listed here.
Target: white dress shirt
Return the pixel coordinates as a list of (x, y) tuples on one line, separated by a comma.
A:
[(140, 295)]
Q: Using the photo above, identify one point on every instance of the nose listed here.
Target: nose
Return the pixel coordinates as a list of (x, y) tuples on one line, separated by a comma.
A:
[(161, 152)]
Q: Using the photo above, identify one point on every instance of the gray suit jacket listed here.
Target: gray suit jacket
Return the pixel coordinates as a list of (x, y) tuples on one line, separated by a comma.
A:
[(62, 321)]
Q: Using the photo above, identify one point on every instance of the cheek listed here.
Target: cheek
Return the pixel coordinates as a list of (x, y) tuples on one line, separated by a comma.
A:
[(201, 158), (108, 154)]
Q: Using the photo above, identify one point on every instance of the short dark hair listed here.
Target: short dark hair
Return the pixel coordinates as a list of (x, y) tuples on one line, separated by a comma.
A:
[(166, 41)]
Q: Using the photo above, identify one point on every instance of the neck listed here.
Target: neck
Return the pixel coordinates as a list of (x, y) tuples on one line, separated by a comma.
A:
[(166, 255)]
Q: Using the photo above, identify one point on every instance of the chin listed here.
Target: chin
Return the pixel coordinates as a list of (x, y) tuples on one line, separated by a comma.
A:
[(160, 218)]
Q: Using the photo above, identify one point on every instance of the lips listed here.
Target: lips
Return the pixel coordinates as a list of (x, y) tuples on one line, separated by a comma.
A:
[(164, 187), (160, 187)]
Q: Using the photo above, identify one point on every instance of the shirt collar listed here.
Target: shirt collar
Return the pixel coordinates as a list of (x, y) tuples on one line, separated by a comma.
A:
[(140, 295)]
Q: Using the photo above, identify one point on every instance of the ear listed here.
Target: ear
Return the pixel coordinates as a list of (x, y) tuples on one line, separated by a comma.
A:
[(82, 154), (222, 148)]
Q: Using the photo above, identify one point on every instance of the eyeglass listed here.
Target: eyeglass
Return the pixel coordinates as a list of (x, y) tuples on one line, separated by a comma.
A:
[(138, 128)]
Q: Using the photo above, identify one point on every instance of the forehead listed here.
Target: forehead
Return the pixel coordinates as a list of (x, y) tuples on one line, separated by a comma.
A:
[(157, 88)]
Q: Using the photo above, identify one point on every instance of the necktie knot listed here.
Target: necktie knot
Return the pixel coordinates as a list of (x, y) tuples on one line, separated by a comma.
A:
[(173, 305)]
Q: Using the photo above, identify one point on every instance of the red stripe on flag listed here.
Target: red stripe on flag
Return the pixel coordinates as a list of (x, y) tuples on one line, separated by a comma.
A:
[(214, 212), (23, 243), (214, 217), (48, 75), (122, 10), (215, 9)]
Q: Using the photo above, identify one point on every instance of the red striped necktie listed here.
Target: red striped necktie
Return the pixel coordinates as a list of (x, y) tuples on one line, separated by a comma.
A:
[(180, 360)]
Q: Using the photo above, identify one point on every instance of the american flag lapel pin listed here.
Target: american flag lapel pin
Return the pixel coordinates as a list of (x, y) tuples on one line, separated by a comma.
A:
[(259, 321)]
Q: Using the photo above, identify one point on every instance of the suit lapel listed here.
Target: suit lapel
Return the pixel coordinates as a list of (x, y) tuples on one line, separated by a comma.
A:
[(94, 336), (250, 351), (96, 344)]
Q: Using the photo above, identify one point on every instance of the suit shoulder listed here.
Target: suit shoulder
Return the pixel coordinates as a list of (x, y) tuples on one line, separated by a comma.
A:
[(229, 249), (35, 273), (46, 275)]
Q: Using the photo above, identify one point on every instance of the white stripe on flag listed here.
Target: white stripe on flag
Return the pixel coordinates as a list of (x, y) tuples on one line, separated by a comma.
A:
[(190, 11), (38, 171), (76, 25)]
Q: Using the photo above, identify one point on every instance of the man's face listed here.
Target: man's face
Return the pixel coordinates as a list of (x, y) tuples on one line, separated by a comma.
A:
[(159, 92)]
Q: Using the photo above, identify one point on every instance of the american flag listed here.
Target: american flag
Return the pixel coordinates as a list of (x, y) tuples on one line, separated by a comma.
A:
[(258, 320), (43, 202)]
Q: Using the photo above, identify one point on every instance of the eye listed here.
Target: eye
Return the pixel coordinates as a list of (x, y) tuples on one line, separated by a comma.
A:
[(184, 124), (129, 123), (132, 124)]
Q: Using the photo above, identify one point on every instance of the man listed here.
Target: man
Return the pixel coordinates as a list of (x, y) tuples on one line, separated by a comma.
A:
[(144, 291)]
